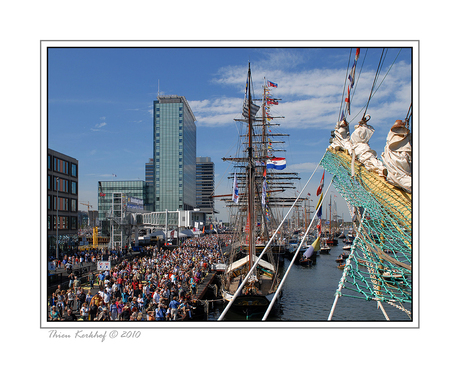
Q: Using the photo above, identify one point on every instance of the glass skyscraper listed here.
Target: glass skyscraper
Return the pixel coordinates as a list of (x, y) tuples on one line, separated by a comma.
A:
[(205, 186), (174, 154)]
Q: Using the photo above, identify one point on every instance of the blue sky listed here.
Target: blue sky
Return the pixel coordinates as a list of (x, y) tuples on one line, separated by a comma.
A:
[(100, 103)]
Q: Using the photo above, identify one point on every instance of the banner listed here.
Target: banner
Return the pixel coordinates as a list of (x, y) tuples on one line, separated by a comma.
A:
[(103, 265)]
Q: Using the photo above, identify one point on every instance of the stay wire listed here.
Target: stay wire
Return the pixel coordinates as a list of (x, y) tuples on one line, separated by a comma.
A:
[(344, 85), (377, 72)]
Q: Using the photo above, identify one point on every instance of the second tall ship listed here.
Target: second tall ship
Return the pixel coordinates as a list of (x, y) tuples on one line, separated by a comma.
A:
[(258, 176)]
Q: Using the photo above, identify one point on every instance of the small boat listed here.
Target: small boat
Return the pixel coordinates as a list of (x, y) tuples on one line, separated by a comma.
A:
[(342, 257), (305, 261), (324, 249), (332, 242), (347, 247), (307, 257)]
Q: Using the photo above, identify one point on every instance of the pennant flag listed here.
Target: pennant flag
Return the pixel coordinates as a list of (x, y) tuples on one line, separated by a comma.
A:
[(347, 101), (351, 78), (320, 207), (276, 163), (321, 185), (317, 244), (272, 102), (264, 188), (235, 190), (272, 84)]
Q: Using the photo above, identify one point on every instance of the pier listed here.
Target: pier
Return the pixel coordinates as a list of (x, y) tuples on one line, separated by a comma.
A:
[(202, 287)]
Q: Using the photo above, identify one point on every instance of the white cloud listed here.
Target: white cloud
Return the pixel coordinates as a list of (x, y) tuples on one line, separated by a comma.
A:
[(98, 126), (310, 98)]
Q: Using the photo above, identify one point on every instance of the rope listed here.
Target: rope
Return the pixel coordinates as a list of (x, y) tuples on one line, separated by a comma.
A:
[(377, 72), (383, 243)]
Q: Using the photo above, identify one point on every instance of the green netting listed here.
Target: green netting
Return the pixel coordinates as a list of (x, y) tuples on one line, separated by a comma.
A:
[(380, 264)]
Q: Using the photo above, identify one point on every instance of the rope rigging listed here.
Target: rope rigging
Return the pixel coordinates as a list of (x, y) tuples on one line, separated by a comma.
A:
[(380, 265)]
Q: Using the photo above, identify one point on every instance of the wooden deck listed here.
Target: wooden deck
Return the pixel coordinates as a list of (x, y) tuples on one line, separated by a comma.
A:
[(203, 286), (265, 285)]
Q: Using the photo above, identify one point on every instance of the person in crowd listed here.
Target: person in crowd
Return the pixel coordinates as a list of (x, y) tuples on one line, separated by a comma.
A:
[(54, 314), (69, 316), (84, 311)]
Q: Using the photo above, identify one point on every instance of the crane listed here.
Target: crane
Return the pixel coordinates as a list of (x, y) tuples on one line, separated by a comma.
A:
[(89, 206)]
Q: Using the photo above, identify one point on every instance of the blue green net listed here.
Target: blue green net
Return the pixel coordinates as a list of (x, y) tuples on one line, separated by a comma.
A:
[(379, 267)]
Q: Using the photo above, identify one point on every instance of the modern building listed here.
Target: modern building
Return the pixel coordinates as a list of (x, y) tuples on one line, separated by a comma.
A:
[(205, 186), (62, 212), (149, 203), (106, 189), (174, 154)]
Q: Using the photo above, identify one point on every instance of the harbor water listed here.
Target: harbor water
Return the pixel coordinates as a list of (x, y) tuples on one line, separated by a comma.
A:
[(308, 295)]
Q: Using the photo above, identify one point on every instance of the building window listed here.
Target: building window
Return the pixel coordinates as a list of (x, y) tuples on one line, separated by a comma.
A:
[(73, 187), (74, 170), (73, 205), (61, 166)]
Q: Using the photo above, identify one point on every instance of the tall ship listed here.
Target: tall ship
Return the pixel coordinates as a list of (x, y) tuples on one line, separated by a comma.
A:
[(378, 192), (252, 275)]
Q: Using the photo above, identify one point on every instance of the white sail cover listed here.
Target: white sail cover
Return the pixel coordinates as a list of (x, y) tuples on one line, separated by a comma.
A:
[(368, 157), (244, 260), (309, 251), (397, 156), (341, 136)]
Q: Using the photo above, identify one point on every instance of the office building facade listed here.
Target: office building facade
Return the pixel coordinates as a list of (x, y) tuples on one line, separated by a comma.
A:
[(106, 189), (205, 186), (149, 203), (174, 154), (62, 197)]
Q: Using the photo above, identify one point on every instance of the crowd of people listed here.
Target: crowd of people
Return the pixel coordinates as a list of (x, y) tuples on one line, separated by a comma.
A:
[(80, 258), (160, 285)]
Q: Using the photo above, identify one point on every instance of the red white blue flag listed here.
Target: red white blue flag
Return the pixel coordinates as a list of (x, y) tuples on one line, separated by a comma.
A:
[(235, 190), (272, 84), (276, 163), (321, 185)]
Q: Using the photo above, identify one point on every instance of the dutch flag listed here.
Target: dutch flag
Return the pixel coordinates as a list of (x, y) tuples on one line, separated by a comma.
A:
[(276, 163)]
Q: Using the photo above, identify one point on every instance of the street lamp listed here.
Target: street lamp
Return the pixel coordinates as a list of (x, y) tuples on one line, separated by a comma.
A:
[(57, 218)]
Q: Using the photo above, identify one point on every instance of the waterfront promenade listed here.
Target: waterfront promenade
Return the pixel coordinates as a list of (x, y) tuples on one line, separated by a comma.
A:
[(158, 284)]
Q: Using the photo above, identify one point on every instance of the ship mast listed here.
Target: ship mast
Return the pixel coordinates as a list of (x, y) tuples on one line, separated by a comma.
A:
[(250, 173)]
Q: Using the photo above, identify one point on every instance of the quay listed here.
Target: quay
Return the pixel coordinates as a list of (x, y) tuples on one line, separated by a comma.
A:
[(202, 288), (156, 269)]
